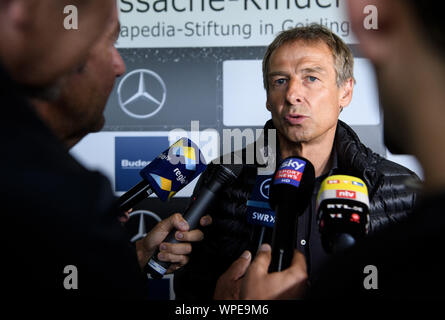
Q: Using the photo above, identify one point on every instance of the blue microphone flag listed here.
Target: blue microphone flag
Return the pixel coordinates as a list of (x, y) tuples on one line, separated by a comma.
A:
[(174, 168)]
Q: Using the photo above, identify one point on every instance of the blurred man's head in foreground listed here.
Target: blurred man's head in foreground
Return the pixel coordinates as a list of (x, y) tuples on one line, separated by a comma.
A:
[(35, 46), (408, 52), (82, 95)]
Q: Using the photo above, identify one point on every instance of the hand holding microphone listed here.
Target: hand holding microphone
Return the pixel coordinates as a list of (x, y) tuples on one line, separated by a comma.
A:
[(174, 253), (277, 272), (343, 212), (221, 176), (250, 280), (167, 174)]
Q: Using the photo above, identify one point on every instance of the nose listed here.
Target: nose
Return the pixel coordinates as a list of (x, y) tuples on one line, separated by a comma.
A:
[(294, 94), (118, 63)]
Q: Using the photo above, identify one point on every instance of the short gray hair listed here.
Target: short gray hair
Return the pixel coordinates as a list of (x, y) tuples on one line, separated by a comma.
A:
[(343, 58)]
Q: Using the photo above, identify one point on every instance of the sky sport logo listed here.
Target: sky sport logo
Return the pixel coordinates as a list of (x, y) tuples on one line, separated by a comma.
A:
[(289, 174), (346, 194), (294, 164)]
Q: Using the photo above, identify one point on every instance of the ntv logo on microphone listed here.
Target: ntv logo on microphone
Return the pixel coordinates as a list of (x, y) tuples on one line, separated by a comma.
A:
[(346, 194)]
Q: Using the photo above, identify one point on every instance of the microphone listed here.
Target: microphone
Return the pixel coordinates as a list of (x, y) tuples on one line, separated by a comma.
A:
[(290, 193), (168, 173), (221, 176), (259, 212), (343, 212)]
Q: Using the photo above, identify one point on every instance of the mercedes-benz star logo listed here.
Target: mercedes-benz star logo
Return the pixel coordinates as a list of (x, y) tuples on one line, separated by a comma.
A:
[(152, 101), (142, 229)]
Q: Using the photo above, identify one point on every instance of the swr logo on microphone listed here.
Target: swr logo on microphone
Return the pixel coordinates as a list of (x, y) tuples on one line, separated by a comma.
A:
[(346, 194)]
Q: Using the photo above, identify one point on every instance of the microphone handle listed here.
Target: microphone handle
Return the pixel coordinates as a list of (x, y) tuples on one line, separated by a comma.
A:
[(199, 207), (136, 194), (284, 235), (260, 234), (342, 242), (192, 216)]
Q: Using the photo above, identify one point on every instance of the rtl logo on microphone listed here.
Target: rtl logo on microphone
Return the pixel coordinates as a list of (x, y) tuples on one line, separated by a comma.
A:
[(346, 194)]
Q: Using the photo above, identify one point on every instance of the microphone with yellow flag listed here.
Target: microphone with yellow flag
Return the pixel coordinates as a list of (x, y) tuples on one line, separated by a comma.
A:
[(342, 212)]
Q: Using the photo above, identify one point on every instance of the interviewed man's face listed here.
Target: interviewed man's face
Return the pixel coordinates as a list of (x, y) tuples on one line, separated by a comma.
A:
[(303, 95)]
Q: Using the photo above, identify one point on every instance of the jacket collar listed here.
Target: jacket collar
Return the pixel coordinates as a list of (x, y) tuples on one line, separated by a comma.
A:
[(352, 154)]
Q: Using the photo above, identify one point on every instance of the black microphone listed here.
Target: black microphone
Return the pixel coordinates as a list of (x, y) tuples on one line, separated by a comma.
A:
[(172, 170), (343, 212), (222, 175), (260, 215), (135, 195), (290, 193)]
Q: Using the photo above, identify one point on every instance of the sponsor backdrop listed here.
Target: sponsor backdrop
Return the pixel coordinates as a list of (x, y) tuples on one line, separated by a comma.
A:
[(194, 69)]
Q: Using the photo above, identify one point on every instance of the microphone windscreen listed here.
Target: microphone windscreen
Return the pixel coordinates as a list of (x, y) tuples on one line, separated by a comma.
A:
[(174, 168), (342, 210), (259, 211), (293, 182), (343, 187)]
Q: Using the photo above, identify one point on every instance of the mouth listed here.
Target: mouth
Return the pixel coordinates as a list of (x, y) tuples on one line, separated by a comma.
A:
[(295, 119)]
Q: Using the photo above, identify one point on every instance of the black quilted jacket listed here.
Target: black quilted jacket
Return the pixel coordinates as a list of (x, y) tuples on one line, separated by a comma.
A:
[(230, 234)]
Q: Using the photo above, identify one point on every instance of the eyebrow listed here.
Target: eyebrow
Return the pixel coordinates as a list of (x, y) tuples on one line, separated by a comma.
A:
[(315, 69), (277, 73)]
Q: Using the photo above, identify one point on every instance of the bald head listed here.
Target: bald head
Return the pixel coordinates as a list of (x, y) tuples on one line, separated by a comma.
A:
[(36, 48)]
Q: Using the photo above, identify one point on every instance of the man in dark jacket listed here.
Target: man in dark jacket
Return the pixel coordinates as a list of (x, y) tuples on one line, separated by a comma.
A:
[(308, 77), (61, 234), (404, 260)]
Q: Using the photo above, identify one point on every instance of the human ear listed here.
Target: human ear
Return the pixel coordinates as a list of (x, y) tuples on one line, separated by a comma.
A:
[(346, 91)]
